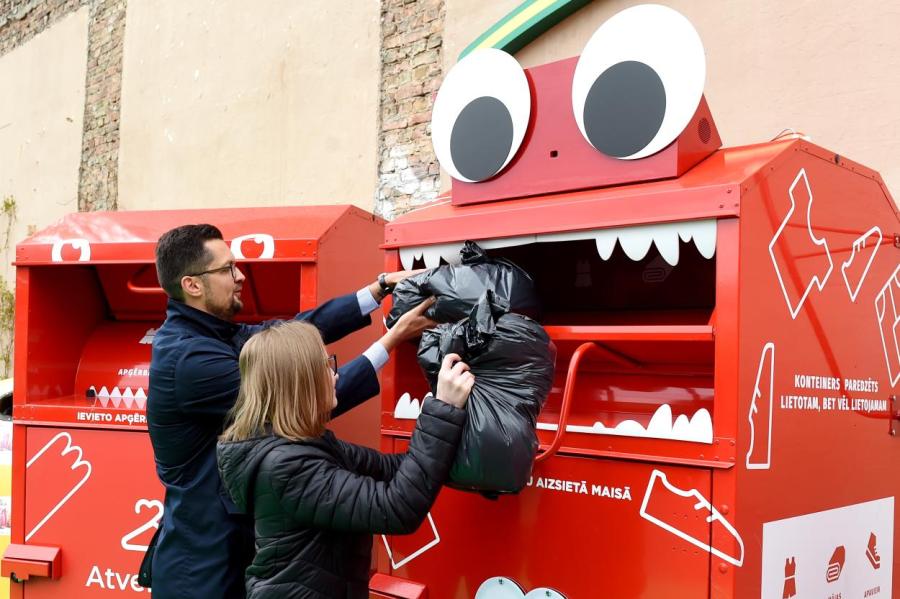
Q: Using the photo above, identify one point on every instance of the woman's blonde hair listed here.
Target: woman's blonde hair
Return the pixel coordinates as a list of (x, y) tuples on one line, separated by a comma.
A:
[(285, 383)]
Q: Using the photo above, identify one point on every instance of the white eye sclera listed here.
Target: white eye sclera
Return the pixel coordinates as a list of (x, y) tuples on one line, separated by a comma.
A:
[(638, 82), (480, 115)]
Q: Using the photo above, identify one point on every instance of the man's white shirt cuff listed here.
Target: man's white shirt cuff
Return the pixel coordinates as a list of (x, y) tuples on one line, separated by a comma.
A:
[(367, 303)]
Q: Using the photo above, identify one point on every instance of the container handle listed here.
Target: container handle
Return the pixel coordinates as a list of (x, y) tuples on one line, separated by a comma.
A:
[(135, 288), (568, 394)]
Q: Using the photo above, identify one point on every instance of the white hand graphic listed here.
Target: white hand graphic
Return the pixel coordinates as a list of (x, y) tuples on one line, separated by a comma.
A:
[(76, 464)]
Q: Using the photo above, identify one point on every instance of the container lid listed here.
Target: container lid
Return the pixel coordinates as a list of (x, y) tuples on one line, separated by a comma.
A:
[(272, 233)]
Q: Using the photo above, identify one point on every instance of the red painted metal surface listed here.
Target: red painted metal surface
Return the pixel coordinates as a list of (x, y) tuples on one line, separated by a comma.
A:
[(391, 587), (127, 236), (87, 306), (21, 562), (555, 156), (720, 177), (803, 288)]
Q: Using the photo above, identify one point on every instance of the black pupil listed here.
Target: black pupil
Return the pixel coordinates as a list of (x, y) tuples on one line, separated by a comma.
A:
[(481, 138), (624, 109)]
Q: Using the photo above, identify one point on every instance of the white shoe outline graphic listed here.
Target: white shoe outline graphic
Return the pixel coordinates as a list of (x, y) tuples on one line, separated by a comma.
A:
[(701, 503)]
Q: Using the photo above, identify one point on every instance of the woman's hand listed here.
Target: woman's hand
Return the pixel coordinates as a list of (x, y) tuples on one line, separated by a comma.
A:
[(454, 381)]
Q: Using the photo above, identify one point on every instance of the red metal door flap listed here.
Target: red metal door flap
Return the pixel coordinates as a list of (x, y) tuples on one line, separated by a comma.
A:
[(391, 587), (24, 561)]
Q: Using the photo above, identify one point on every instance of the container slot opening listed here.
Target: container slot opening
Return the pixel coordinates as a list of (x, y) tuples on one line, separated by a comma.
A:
[(578, 286), (99, 336), (651, 318)]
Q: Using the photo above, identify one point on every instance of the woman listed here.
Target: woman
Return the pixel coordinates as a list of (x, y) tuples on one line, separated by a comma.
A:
[(317, 500)]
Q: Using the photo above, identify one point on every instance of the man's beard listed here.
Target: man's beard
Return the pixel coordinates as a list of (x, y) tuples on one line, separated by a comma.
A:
[(224, 312)]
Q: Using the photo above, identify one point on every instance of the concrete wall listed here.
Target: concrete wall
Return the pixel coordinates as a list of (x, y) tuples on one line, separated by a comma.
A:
[(828, 68), (41, 116), (235, 103)]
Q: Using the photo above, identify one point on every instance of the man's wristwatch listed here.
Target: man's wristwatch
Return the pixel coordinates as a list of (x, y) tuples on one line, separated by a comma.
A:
[(385, 287)]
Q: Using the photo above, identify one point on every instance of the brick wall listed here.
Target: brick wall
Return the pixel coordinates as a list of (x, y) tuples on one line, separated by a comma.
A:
[(21, 20), (97, 183), (411, 71)]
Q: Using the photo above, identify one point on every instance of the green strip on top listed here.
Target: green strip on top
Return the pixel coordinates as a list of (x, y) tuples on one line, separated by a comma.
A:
[(524, 24)]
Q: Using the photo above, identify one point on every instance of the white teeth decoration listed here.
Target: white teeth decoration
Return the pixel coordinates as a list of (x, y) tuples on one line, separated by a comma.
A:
[(140, 399), (128, 398), (116, 397), (431, 255), (408, 256), (703, 232), (665, 238), (697, 429), (507, 242), (635, 242), (408, 408), (606, 243)]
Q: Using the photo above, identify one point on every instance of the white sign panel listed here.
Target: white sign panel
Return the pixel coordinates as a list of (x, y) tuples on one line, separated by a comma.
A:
[(836, 554)]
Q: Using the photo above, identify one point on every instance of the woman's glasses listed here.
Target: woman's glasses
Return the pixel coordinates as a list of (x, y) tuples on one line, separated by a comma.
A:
[(332, 363)]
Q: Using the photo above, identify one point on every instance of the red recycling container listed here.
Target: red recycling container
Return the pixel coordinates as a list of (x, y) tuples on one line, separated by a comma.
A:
[(723, 420), (85, 497)]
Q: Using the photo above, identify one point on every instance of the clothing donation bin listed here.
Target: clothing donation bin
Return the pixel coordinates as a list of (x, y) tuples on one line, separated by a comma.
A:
[(86, 499), (723, 419)]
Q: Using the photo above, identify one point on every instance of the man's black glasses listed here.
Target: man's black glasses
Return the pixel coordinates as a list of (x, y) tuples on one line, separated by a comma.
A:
[(232, 267)]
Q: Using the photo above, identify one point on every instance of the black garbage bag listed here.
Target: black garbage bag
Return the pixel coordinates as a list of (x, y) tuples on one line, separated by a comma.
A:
[(458, 288), (512, 359)]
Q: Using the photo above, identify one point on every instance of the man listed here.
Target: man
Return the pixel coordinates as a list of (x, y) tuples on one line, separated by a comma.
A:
[(204, 543)]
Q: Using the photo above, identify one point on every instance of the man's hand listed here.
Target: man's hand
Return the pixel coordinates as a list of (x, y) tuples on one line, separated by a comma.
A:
[(454, 381), (409, 326), (392, 278)]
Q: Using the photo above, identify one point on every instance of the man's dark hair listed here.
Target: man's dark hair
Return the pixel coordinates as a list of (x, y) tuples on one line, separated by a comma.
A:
[(180, 252)]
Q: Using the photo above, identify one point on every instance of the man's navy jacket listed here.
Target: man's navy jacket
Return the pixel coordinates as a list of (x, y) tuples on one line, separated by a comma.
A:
[(205, 543)]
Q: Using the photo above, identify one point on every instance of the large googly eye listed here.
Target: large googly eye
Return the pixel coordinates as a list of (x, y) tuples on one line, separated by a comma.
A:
[(480, 115), (639, 81)]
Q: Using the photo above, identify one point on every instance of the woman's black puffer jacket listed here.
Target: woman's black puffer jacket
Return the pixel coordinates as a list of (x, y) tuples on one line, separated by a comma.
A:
[(317, 503)]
